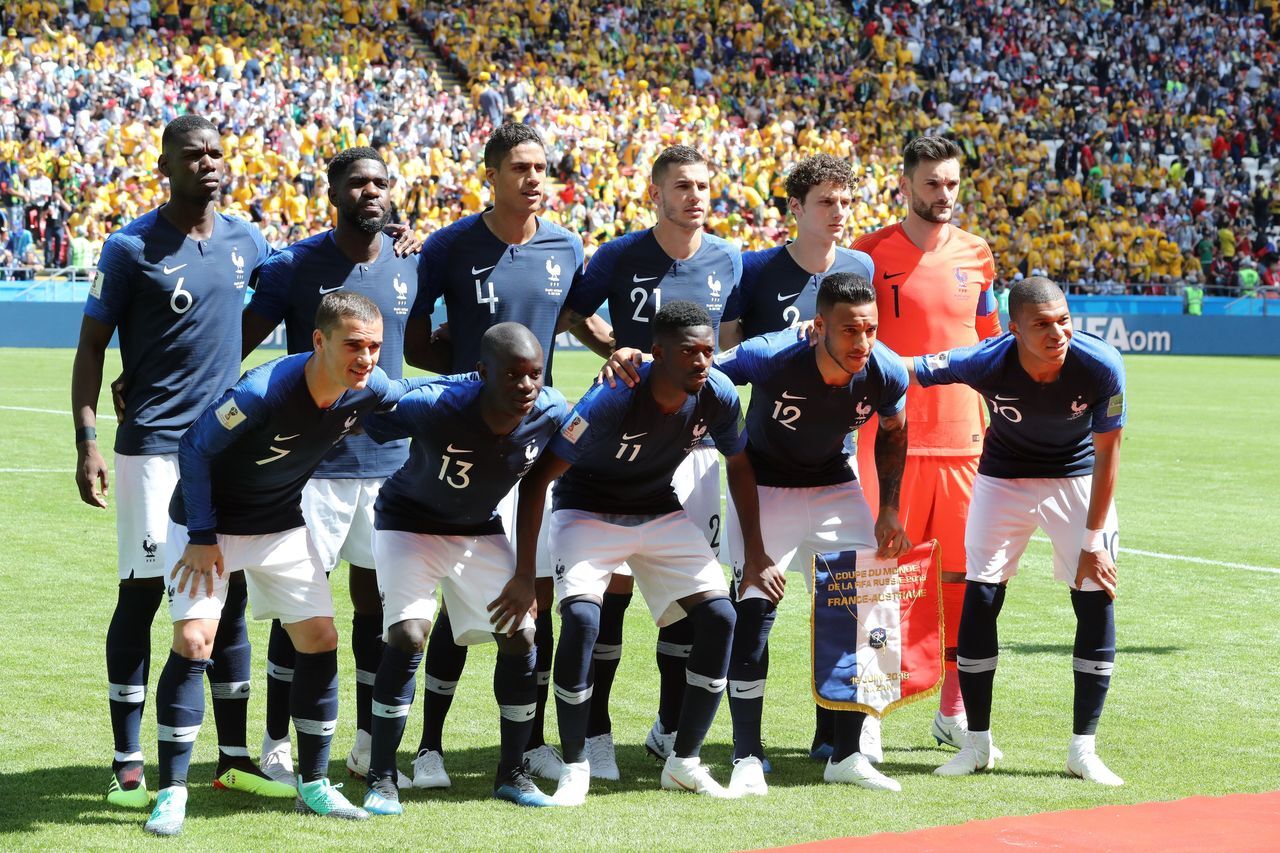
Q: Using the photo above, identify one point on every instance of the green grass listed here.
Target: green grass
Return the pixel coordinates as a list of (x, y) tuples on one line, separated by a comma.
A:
[(1190, 711)]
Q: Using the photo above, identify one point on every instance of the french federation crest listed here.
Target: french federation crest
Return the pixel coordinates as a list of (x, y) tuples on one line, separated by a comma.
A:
[(876, 629)]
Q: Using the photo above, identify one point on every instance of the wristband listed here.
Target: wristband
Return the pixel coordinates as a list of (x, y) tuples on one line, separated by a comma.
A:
[(1092, 542), (86, 434)]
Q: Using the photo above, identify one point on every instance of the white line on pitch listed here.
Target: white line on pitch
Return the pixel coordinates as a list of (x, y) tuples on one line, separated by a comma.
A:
[(41, 411), (33, 470), (1185, 559)]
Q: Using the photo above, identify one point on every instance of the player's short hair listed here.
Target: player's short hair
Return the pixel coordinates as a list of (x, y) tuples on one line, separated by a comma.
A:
[(819, 169), (676, 155), (1033, 290), (344, 159), (342, 305), (182, 127), (503, 340), (506, 137), (928, 149), (677, 315), (844, 287)]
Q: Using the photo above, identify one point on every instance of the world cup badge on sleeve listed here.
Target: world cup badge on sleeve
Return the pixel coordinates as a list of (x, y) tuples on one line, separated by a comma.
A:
[(876, 629)]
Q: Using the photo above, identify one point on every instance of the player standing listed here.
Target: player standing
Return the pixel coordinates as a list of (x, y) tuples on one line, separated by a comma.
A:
[(337, 503), (1051, 460), (933, 289), (238, 508), (172, 283), (615, 503), (473, 436), (637, 274)]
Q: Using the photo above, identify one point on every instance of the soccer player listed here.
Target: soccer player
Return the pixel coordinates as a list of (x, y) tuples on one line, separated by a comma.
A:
[(933, 289), (505, 264), (172, 283), (473, 437), (238, 508), (615, 503), (637, 274), (1051, 460), (779, 289), (355, 256)]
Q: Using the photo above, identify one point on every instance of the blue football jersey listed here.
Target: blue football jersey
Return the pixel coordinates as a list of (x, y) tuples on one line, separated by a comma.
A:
[(624, 450), (245, 460), (776, 292), (1037, 430), (458, 470), (796, 422), (176, 304), (635, 276), (290, 287), (485, 281)]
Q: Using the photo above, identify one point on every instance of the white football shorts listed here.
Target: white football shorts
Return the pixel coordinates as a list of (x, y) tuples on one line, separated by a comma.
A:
[(340, 515), (143, 488)]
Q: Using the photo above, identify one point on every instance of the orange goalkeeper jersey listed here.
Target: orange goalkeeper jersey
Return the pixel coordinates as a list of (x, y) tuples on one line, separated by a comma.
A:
[(930, 302)]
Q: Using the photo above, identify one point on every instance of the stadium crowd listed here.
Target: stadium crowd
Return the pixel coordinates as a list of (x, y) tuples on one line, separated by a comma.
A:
[(1131, 143)]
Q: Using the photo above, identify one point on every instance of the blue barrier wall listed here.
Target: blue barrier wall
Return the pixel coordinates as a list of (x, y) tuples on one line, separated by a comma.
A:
[(57, 324)]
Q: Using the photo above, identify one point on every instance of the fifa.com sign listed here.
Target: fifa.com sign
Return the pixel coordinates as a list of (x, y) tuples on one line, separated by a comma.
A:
[(1185, 335)]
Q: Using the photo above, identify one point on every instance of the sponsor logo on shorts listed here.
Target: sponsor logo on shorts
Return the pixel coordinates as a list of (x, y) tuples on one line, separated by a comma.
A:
[(560, 569), (149, 547)]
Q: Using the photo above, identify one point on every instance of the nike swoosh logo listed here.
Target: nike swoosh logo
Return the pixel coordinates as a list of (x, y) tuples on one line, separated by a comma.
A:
[(1101, 669), (787, 396), (475, 271), (678, 782), (171, 271), (998, 397), (782, 298), (890, 275), (626, 437), (638, 280), (286, 437), (325, 290), (452, 449)]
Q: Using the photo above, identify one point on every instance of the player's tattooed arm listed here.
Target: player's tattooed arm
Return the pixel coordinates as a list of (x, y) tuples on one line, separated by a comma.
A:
[(595, 334), (891, 461), (1097, 562), (92, 478)]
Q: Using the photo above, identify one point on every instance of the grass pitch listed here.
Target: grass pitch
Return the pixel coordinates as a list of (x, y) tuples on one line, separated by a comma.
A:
[(1189, 710)]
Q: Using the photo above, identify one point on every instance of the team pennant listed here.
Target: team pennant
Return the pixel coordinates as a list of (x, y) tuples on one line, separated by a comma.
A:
[(876, 629)]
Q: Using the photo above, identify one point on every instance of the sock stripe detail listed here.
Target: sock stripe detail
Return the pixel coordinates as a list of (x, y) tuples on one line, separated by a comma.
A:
[(363, 676), (128, 694), (517, 713), (675, 650), (390, 712), (234, 751), (444, 688), (965, 664), (746, 689), (1092, 667), (178, 734), (319, 728), (280, 673), (544, 678), (229, 690), (707, 683), (607, 651), (129, 756), (572, 697)]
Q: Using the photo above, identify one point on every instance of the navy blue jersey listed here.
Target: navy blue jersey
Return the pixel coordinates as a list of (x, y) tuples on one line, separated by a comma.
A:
[(176, 303), (485, 281), (458, 470), (776, 292), (290, 287), (635, 276), (245, 460), (1037, 430), (624, 450), (796, 422)]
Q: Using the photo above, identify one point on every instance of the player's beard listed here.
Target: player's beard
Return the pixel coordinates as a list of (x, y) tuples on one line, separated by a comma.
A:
[(368, 224), (927, 213)]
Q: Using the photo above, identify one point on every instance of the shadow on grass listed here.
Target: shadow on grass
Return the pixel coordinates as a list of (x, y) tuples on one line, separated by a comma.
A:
[(1067, 649)]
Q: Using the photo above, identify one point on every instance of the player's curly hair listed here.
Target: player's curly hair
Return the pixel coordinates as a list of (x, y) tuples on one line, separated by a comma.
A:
[(182, 127), (676, 155), (819, 169), (336, 307), (506, 137), (677, 315), (343, 160), (929, 149), (847, 287)]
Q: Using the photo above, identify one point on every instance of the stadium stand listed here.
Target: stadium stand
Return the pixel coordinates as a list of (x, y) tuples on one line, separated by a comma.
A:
[(1129, 147)]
